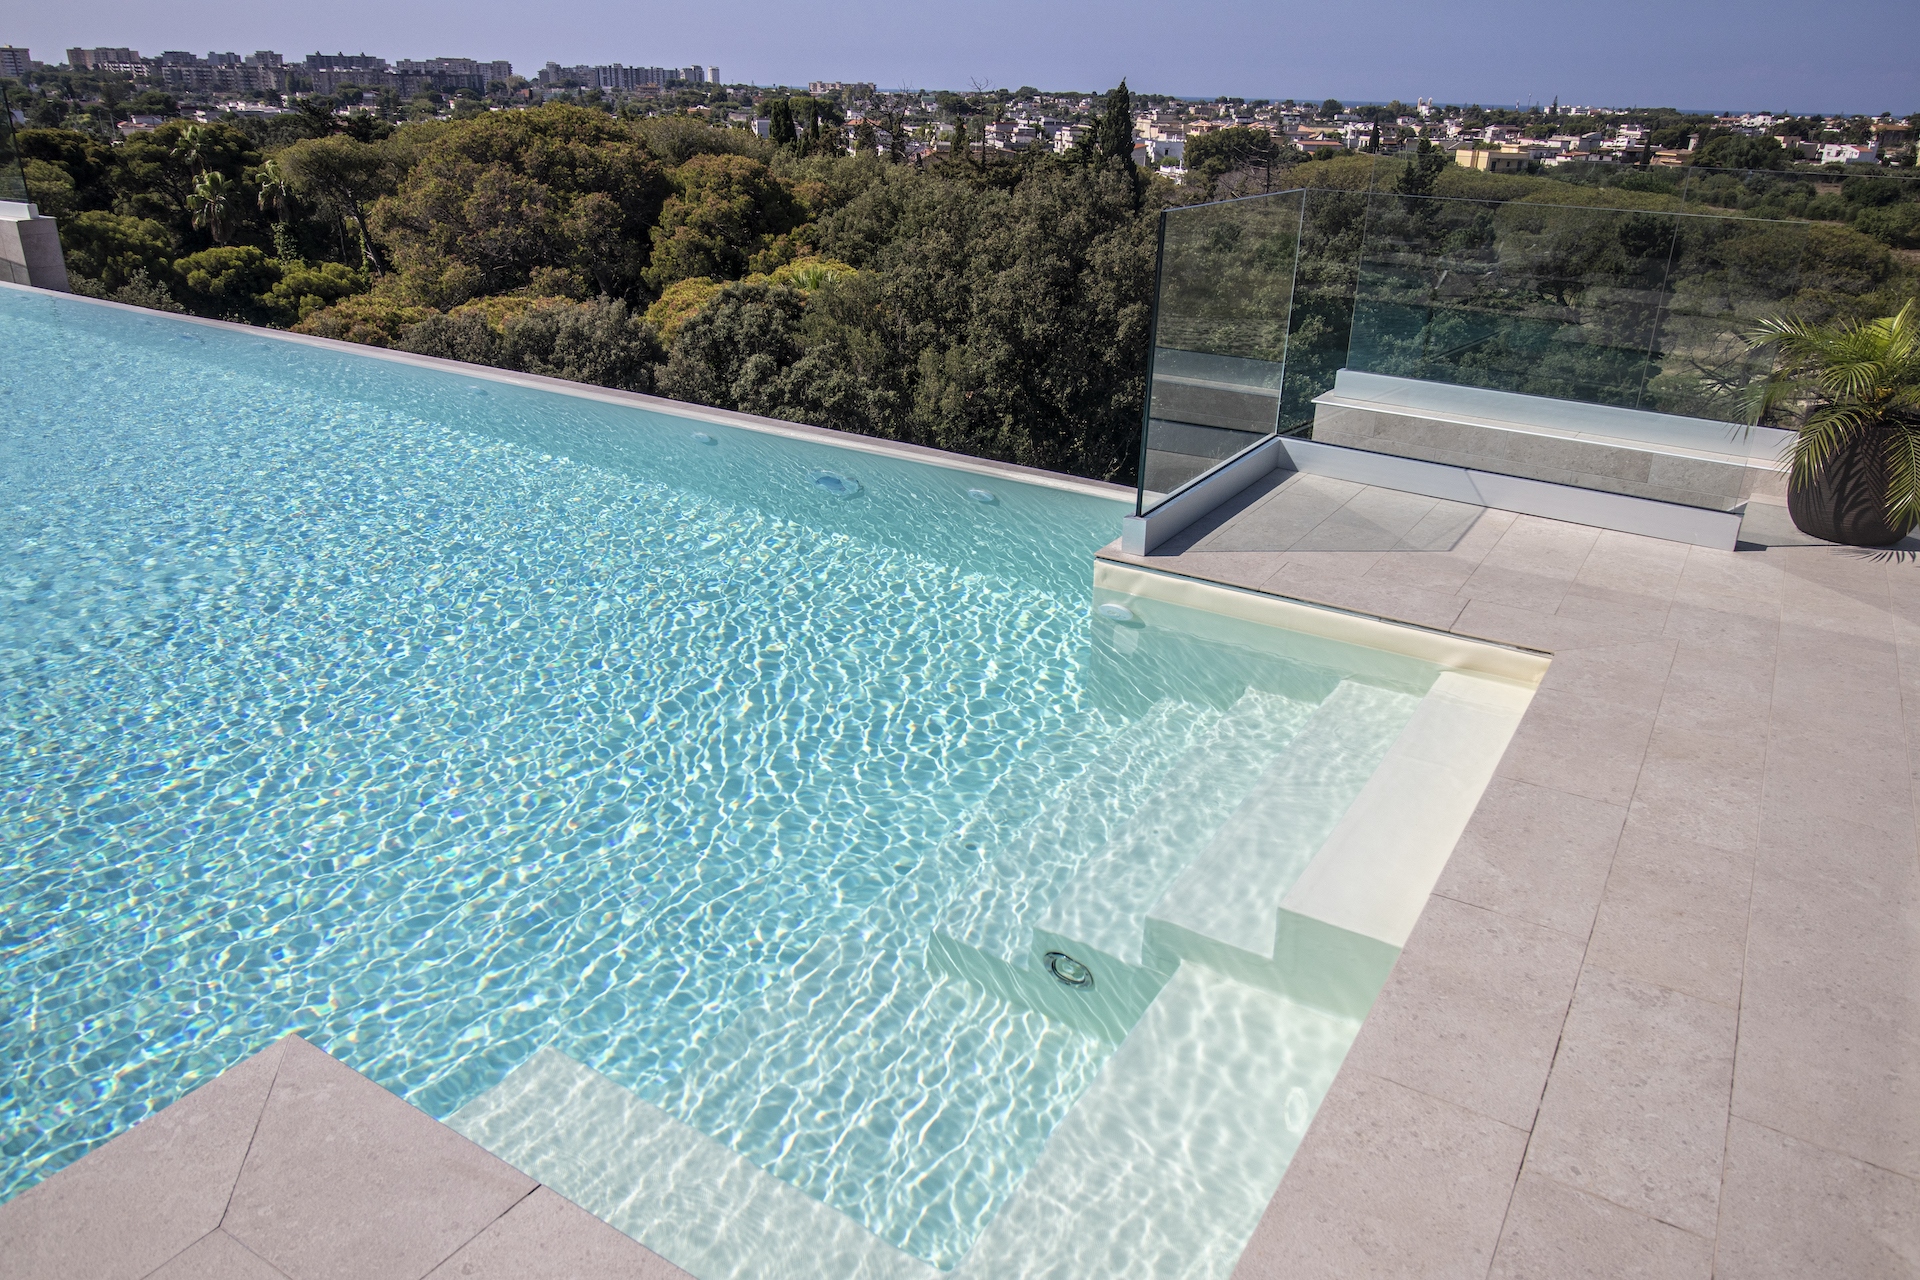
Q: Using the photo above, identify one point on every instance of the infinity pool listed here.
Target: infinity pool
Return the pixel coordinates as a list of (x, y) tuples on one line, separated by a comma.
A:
[(446, 721)]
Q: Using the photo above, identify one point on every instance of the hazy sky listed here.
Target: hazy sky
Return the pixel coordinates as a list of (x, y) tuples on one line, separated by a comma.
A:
[(1854, 55)]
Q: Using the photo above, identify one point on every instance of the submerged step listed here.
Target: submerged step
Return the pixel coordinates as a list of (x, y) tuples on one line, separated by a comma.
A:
[(1162, 1167), (675, 1190), (1097, 920), (1165, 1165), (985, 934), (1313, 886)]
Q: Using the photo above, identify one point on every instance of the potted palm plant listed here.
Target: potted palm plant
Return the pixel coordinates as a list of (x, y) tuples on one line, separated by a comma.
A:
[(1854, 387)]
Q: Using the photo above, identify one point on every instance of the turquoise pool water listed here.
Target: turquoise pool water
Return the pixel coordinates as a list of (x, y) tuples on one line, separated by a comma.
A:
[(441, 720)]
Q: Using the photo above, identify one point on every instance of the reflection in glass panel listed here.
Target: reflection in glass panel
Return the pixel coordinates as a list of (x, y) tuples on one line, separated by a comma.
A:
[(1220, 344), (13, 183)]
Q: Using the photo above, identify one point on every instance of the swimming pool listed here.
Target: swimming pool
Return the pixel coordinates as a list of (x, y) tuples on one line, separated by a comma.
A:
[(452, 722)]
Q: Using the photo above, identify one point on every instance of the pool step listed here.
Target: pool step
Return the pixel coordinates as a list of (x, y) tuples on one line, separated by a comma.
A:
[(1197, 1114), (1254, 782), (675, 1190), (1312, 887), (985, 933), (1098, 917), (1166, 1163)]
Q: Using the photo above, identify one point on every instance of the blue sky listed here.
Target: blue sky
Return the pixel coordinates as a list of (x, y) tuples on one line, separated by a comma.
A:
[(1856, 55)]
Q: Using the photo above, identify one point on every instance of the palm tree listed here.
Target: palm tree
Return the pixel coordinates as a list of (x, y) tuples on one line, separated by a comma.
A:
[(276, 197), (1858, 385), (192, 145), (212, 201)]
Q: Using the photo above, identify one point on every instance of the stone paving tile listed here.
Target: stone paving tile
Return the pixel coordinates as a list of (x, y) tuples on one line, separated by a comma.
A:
[(1635, 1111), (217, 1256), (1311, 578), (347, 1182), (1472, 1011), (1532, 565), (1373, 520), (123, 1210), (1675, 915), (1281, 518), (545, 1237), (1388, 1182), (1700, 786), (1535, 854), (1557, 1233), (1587, 746), (1792, 1210), (1744, 635), (1631, 675), (1548, 632), (1711, 690), (1830, 1011)]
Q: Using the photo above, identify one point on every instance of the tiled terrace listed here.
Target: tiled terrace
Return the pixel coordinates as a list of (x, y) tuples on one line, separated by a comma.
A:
[(1662, 1014), (291, 1166), (1658, 1019)]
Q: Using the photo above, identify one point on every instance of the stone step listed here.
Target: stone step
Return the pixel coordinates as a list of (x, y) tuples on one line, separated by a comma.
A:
[(1313, 886), (984, 936), (1162, 1167), (1099, 917), (675, 1190)]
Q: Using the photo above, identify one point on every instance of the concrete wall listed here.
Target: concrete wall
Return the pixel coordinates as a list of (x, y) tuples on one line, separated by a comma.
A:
[(30, 248)]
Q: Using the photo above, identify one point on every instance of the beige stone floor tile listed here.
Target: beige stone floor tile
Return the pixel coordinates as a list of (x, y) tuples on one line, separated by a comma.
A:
[(1328, 566), (1281, 518), (1551, 632), (545, 1237), (1830, 1007), (1636, 1108), (1812, 782), (1630, 675), (1546, 543), (1675, 915), (1536, 854), (1517, 587), (1714, 691), (1791, 1210), (1472, 1011), (1632, 563), (1586, 746), (1701, 787), (1388, 1183), (1371, 520), (217, 1256), (347, 1182), (1838, 674), (124, 1209), (1300, 580), (1442, 529), (1438, 568), (1736, 583), (1745, 635), (1614, 606), (1558, 1233), (1235, 568)]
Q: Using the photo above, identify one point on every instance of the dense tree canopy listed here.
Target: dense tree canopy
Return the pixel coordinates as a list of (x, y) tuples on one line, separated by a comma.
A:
[(990, 303)]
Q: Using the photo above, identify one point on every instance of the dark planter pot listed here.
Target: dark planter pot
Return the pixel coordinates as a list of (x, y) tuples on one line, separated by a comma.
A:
[(1847, 501)]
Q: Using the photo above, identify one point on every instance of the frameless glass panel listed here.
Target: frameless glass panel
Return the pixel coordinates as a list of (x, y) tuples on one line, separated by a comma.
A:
[(1726, 275), (13, 182), (1623, 307), (1538, 299), (1220, 338), (1333, 227), (1627, 326)]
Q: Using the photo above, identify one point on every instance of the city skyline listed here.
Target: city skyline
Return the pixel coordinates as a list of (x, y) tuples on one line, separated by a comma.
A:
[(1707, 57)]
